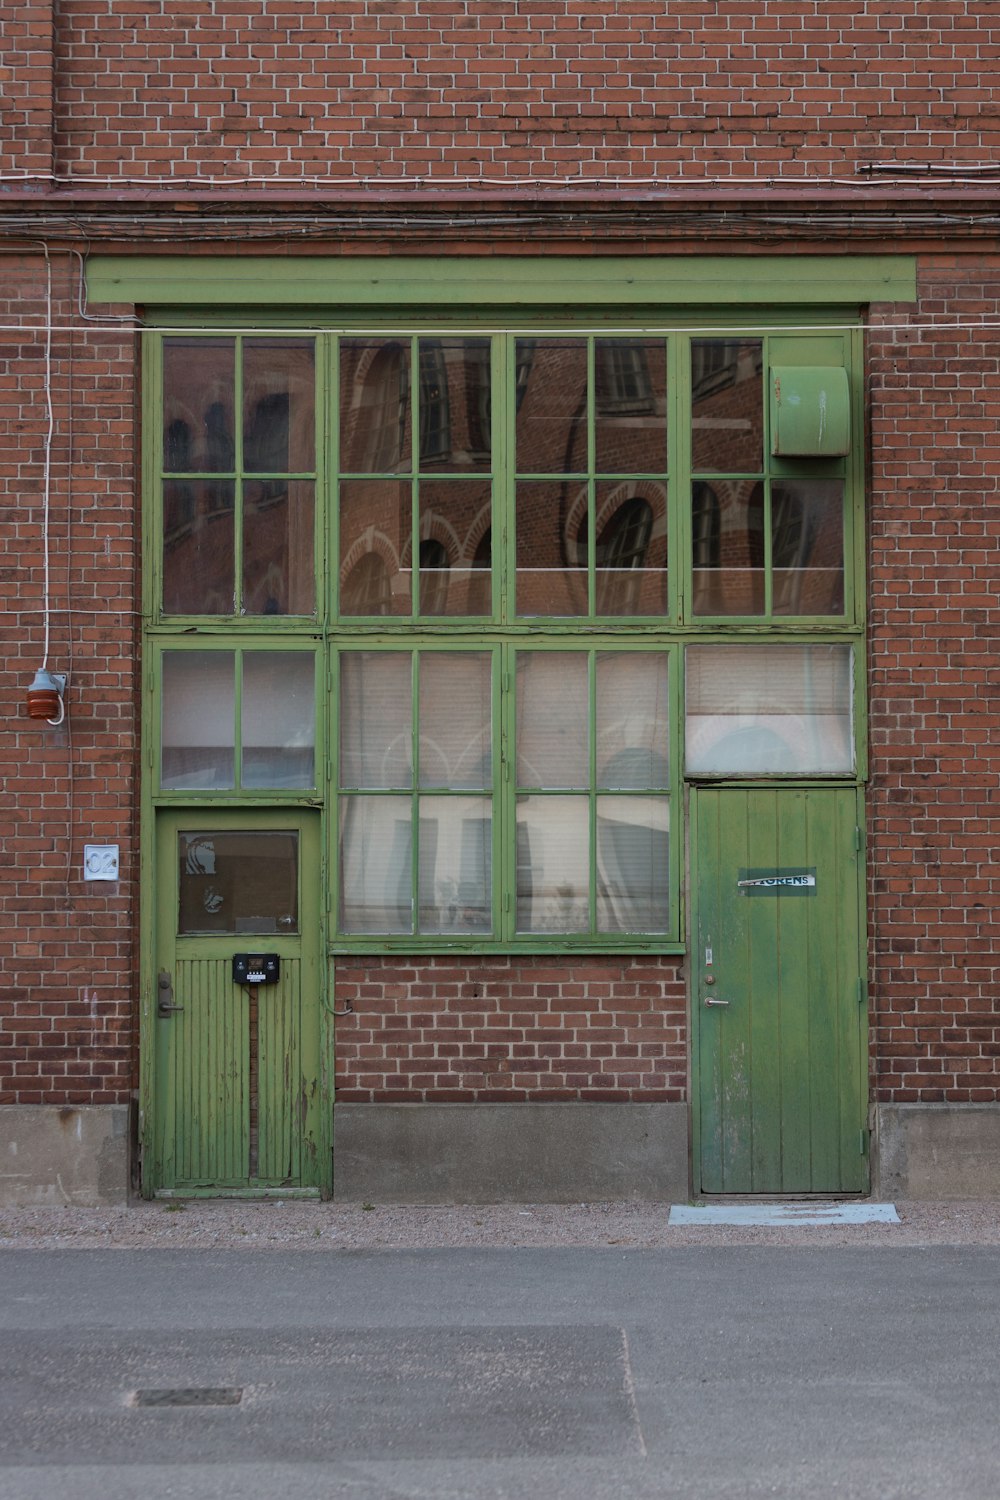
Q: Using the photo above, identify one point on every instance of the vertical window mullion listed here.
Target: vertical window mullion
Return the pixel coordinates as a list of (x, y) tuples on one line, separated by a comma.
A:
[(591, 482), (328, 475), (679, 553), (155, 482), (238, 711), (505, 469), (415, 422), (768, 549), (768, 553), (238, 479)]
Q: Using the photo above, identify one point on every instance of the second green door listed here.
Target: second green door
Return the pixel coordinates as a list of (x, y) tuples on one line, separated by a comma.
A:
[(777, 993)]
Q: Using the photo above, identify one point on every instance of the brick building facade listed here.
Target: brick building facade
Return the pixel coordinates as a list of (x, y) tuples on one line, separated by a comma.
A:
[(355, 355)]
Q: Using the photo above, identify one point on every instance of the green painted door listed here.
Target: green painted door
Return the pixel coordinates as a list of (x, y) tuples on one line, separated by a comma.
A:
[(779, 1023), (237, 1098)]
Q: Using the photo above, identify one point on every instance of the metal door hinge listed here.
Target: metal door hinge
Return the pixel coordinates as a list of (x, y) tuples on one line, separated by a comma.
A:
[(863, 1143)]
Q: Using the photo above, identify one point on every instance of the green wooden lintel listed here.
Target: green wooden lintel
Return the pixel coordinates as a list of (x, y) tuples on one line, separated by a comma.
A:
[(530, 281)]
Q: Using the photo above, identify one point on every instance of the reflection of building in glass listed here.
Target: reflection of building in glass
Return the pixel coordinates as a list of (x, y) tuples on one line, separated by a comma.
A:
[(758, 545), (454, 515), (206, 499)]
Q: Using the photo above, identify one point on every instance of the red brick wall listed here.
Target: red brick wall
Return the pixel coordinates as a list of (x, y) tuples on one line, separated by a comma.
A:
[(65, 945), (547, 91), (26, 79), (935, 671), (550, 89), (498, 1030)]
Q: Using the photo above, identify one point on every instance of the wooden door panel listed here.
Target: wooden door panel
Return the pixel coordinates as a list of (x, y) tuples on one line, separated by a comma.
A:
[(779, 1069), (238, 1103), (208, 1075)]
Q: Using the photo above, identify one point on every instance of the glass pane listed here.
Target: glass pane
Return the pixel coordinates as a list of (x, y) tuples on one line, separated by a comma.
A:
[(279, 406), (375, 419), (631, 552), (807, 546), (198, 547), (455, 516), (551, 406), (633, 745), (238, 883), (552, 719), (758, 710), (454, 892), (455, 404), (376, 864), (375, 544), (551, 547), (376, 734), (727, 547), (198, 396), (553, 864), (278, 712), (630, 415), (727, 405), (198, 724), (455, 717), (633, 864), (279, 577)]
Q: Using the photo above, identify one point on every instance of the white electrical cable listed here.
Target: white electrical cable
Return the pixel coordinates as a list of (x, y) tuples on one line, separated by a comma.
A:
[(436, 330), (81, 300), (47, 481), (906, 171), (47, 451)]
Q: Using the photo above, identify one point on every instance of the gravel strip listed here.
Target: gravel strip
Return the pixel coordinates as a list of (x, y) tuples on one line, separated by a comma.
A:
[(277, 1225)]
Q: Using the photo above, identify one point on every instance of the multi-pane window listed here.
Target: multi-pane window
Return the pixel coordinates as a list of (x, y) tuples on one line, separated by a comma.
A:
[(238, 720), (415, 499), (490, 598), (583, 458), (767, 540), (579, 791), (593, 792), (238, 467), (416, 792)]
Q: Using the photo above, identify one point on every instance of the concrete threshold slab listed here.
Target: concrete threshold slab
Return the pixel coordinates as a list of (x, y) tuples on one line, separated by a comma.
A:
[(782, 1215)]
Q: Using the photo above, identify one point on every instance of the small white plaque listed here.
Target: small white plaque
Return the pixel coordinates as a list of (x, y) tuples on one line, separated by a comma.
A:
[(100, 861)]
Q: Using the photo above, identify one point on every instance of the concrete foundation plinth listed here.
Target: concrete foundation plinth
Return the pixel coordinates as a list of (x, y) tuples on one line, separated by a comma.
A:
[(509, 1153), (53, 1154), (937, 1151)]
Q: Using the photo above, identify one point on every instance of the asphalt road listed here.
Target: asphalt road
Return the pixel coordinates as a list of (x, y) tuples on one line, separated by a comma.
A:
[(461, 1375)]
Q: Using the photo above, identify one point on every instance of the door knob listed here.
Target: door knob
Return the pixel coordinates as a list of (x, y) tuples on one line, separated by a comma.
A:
[(711, 1000)]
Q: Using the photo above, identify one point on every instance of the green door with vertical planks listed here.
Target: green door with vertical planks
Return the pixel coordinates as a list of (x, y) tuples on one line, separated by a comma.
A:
[(237, 1081), (777, 991)]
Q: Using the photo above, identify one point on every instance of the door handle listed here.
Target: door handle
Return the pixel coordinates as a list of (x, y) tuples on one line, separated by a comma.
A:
[(165, 996), (710, 979)]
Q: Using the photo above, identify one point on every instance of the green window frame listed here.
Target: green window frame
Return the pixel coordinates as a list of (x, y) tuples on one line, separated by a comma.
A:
[(237, 446), (237, 718), (422, 489), (621, 790), (778, 513)]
